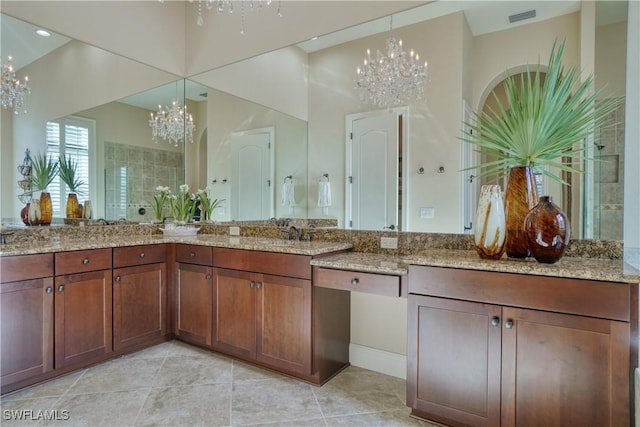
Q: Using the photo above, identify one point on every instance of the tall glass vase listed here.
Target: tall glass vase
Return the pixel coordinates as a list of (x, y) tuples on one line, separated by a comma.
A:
[(73, 207), (490, 224), (46, 208), (521, 196)]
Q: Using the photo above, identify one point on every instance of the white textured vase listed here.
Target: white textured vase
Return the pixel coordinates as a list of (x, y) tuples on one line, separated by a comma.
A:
[(490, 225)]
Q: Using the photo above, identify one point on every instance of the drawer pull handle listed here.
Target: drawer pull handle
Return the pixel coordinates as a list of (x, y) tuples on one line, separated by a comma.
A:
[(495, 321), (192, 254), (141, 254), (508, 324), (85, 261), (60, 288), (207, 276), (355, 281), (49, 289), (118, 279)]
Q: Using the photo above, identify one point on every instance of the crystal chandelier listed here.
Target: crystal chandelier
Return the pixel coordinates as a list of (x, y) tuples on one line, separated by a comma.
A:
[(14, 91), (391, 79), (172, 124), (228, 5)]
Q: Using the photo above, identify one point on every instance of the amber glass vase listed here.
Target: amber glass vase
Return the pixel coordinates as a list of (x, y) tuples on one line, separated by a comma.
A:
[(73, 207), (521, 196), (490, 228), (46, 208), (548, 231)]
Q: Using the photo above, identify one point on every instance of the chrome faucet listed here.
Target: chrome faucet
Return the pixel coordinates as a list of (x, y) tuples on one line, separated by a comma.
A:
[(295, 231)]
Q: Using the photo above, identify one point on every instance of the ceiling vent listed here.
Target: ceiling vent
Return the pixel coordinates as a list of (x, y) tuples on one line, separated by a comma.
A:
[(203, 95), (522, 16)]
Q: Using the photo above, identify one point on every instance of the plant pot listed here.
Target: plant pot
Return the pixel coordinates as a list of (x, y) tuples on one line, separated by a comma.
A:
[(490, 224), (548, 231), (521, 196), (73, 207), (46, 208)]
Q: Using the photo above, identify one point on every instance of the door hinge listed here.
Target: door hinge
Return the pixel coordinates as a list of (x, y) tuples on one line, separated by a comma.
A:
[(350, 223), (268, 146), (350, 180), (351, 136), (268, 183)]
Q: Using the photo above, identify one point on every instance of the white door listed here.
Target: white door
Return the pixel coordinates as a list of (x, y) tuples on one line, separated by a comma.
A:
[(469, 183), (251, 176), (373, 172)]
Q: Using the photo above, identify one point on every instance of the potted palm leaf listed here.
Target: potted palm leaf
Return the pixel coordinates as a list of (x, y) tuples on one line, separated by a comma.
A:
[(543, 123), (68, 175), (44, 171)]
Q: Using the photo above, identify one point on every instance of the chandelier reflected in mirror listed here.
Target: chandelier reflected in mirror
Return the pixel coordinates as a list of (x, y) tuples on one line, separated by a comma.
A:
[(392, 78), (230, 6), (173, 124), (14, 92)]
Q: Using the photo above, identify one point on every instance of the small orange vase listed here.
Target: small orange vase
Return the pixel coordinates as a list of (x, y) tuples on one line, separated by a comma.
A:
[(46, 208), (521, 196)]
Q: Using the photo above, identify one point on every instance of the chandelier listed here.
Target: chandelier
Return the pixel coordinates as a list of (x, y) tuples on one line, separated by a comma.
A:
[(393, 78), (228, 6), (14, 91), (172, 124)]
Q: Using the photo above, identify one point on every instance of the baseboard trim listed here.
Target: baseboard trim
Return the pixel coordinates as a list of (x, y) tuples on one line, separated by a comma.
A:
[(378, 360)]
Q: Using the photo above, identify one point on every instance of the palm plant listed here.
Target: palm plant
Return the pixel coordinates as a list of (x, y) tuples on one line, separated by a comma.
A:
[(542, 123), (68, 172), (44, 171)]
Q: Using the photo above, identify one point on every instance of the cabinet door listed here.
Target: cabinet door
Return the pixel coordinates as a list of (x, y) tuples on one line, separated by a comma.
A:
[(454, 361), (26, 329), (564, 370), (284, 323), (139, 304), (83, 316), (194, 303), (235, 313)]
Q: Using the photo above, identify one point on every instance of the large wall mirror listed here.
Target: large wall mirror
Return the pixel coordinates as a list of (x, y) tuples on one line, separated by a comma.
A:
[(302, 99)]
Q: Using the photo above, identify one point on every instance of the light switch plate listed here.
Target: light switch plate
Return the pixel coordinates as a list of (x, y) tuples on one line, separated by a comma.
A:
[(234, 231), (428, 213), (389, 242)]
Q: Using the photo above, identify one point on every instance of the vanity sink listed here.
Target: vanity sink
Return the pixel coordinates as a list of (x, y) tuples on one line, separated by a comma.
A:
[(275, 242)]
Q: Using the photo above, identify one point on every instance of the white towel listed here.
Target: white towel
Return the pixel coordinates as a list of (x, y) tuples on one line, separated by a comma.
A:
[(288, 194), (324, 194)]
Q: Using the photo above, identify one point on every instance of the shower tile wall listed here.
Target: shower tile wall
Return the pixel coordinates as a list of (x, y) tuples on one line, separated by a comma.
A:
[(609, 178), (131, 176)]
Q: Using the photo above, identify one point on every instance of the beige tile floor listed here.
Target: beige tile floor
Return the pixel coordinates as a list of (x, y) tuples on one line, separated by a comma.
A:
[(174, 384)]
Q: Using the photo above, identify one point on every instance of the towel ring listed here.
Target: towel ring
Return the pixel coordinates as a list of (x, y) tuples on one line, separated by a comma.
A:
[(288, 177), (325, 175)]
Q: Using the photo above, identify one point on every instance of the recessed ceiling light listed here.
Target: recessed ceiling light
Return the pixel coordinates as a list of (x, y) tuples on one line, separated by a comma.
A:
[(43, 33), (314, 38)]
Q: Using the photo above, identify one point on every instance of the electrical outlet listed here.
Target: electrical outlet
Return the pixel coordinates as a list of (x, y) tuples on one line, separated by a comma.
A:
[(428, 213), (389, 242), (234, 231)]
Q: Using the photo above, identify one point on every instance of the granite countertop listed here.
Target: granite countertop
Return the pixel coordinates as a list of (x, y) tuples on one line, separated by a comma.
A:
[(567, 267), (237, 242)]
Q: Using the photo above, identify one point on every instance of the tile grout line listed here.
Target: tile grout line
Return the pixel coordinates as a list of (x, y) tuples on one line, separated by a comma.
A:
[(315, 397), (150, 389), (65, 393)]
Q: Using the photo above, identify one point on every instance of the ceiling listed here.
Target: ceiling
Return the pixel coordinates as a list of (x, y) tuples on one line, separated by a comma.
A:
[(20, 40)]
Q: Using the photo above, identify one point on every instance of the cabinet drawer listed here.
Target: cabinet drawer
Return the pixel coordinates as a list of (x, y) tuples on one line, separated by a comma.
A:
[(25, 267), (194, 254), (81, 261), (289, 265), (138, 255), (345, 280)]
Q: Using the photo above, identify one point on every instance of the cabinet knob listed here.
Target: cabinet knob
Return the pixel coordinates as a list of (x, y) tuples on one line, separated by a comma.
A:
[(207, 276), (252, 284), (118, 279), (49, 289), (85, 261), (258, 285), (495, 321), (141, 254), (192, 254), (355, 281), (508, 324), (60, 288)]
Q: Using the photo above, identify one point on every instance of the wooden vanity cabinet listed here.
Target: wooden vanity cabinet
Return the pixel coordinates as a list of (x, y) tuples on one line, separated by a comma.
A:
[(500, 349), (83, 306), (139, 295), (193, 294), (261, 316), (26, 317)]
